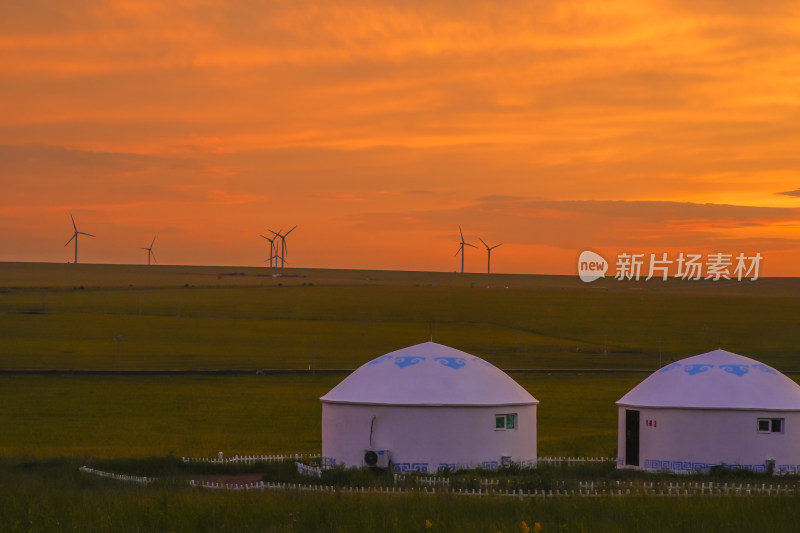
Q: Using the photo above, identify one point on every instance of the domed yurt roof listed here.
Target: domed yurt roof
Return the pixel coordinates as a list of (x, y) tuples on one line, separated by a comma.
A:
[(429, 374), (716, 380)]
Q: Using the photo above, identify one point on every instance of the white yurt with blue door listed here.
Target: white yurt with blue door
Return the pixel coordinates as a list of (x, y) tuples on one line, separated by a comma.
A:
[(426, 408), (711, 409)]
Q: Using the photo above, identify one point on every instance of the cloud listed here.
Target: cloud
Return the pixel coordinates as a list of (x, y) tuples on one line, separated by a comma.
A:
[(640, 225), (795, 193), (418, 107), (52, 177), (338, 197)]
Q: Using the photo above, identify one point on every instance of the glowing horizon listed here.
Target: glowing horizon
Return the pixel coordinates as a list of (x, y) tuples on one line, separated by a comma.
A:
[(379, 129)]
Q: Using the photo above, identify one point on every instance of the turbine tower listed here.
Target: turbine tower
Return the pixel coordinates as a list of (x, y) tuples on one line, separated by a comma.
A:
[(461, 248), (272, 250), (284, 248), (489, 254), (75, 236), (150, 251)]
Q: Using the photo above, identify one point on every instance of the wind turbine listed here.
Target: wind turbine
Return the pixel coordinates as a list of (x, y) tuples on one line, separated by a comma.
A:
[(284, 248), (150, 251), (489, 254), (75, 236), (272, 249), (461, 248)]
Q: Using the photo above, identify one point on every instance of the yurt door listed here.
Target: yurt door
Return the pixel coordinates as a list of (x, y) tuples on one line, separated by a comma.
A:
[(631, 437)]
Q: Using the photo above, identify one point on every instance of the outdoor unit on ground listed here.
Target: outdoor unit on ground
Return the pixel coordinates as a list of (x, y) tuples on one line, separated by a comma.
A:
[(376, 458)]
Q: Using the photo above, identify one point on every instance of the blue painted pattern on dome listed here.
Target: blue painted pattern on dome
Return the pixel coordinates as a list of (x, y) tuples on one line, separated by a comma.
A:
[(670, 367), (453, 362), (380, 359), (736, 370), (765, 368), (429, 374), (696, 369), (403, 362), (716, 380)]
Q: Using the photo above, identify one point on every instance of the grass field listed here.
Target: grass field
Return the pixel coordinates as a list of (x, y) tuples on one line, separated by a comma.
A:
[(125, 317), (142, 416), (55, 497), (109, 317)]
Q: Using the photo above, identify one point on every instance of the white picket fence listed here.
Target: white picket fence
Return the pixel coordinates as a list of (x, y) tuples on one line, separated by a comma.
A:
[(250, 459), (585, 488), (119, 477), (309, 470)]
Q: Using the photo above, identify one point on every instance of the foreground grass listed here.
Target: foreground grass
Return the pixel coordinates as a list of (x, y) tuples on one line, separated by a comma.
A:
[(54, 496)]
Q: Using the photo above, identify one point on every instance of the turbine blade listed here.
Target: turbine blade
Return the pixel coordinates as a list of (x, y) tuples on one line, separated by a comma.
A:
[(462, 233), (291, 230), (73, 222), (152, 243), (70, 239), (461, 249), (88, 234), (468, 244), (496, 245), (154, 256), (484, 242)]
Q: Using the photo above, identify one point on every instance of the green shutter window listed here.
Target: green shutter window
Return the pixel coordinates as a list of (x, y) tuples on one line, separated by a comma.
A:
[(500, 422)]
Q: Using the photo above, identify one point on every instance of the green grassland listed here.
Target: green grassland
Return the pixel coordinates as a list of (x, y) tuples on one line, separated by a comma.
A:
[(142, 416), (127, 317), (114, 317)]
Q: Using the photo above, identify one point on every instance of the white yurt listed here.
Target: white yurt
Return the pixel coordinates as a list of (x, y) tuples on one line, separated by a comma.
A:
[(426, 408), (711, 409)]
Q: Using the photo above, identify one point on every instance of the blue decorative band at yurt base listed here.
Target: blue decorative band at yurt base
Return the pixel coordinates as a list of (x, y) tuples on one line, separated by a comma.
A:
[(690, 466)]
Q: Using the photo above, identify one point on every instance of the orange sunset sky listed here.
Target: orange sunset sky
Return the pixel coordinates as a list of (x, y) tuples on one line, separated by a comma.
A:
[(380, 127)]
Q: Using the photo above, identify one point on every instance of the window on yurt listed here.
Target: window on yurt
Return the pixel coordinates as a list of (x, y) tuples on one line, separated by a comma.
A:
[(507, 421), (770, 425), (511, 421)]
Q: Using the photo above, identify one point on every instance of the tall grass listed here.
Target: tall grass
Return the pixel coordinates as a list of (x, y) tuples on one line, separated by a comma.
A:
[(56, 497)]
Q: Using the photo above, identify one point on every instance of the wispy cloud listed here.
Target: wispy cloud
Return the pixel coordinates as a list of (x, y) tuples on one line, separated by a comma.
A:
[(561, 118), (578, 224), (794, 193)]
